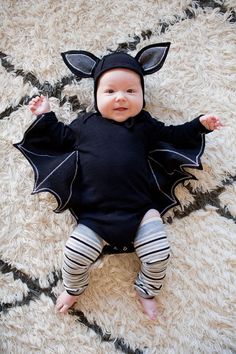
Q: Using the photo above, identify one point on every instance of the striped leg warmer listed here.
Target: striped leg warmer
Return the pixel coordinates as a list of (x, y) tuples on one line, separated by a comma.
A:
[(153, 250), (81, 250)]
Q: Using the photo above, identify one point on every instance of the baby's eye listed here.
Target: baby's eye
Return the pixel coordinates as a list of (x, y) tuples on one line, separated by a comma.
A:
[(130, 91), (109, 91)]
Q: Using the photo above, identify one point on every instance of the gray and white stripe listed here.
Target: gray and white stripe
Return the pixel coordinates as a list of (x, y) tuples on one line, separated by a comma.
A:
[(153, 249), (81, 250)]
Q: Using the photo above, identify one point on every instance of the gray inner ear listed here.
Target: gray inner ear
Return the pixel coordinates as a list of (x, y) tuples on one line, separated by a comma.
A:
[(151, 57), (81, 62)]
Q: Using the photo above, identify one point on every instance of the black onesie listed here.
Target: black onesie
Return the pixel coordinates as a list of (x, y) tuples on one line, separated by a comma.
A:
[(108, 174)]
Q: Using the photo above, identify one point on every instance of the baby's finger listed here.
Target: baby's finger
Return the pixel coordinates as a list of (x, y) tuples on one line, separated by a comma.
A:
[(216, 119), (59, 306), (33, 106), (35, 99), (42, 98), (219, 126), (31, 103)]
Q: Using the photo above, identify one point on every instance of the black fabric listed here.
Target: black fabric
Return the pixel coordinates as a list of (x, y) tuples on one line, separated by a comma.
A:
[(117, 60), (108, 173)]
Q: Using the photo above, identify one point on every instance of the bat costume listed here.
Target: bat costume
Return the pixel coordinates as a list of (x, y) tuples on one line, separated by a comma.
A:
[(109, 174)]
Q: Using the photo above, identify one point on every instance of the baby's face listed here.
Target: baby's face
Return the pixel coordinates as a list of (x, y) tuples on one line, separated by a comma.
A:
[(119, 94)]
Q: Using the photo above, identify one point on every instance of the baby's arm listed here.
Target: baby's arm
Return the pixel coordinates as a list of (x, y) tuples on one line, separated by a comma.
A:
[(39, 105), (56, 133), (211, 122)]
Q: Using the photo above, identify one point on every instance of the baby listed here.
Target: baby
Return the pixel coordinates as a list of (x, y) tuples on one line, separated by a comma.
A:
[(113, 198)]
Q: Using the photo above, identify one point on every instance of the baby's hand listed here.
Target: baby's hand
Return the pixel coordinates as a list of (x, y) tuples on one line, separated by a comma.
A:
[(211, 122), (39, 105)]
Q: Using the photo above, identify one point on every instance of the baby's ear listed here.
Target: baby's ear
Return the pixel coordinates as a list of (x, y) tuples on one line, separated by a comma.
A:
[(80, 62), (152, 57)]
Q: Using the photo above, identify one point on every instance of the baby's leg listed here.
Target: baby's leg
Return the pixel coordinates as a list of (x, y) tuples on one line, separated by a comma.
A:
[(81, 250), (153, 250)]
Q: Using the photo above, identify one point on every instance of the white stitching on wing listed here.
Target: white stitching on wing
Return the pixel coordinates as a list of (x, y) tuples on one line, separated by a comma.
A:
[(76, 170), (56, 168), (194, 164), (37, 190), (34, 153), (158, 183), (70, 187)]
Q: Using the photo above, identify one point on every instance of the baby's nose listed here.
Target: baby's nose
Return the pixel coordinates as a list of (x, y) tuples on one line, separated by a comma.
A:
[(120, 96)]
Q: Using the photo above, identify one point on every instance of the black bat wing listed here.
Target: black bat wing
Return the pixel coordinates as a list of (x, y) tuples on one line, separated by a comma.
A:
[(167, 164), (54, 171)]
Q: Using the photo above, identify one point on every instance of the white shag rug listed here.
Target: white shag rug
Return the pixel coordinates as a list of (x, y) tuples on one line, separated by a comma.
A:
[(197, 304)]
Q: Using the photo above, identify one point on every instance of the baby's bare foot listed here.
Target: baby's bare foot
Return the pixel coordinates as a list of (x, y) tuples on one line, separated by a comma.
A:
[(65, 301), (149, 307)]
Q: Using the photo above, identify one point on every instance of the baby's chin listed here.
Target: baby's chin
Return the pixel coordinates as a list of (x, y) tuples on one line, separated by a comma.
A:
[(121, 115)]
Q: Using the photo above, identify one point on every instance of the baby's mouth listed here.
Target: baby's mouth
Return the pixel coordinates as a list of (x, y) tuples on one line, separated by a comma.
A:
[(120, 109)]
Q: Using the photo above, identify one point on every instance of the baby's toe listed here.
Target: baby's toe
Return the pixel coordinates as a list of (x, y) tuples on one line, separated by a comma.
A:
[(58, 306), (152, 315), (64, 309)]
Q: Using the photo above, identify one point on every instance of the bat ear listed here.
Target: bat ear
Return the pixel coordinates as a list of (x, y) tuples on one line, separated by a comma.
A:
[(152, 57), (80, 62)]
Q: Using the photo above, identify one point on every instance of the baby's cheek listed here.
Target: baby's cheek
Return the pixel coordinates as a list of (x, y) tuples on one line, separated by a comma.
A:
[(104, 106)]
